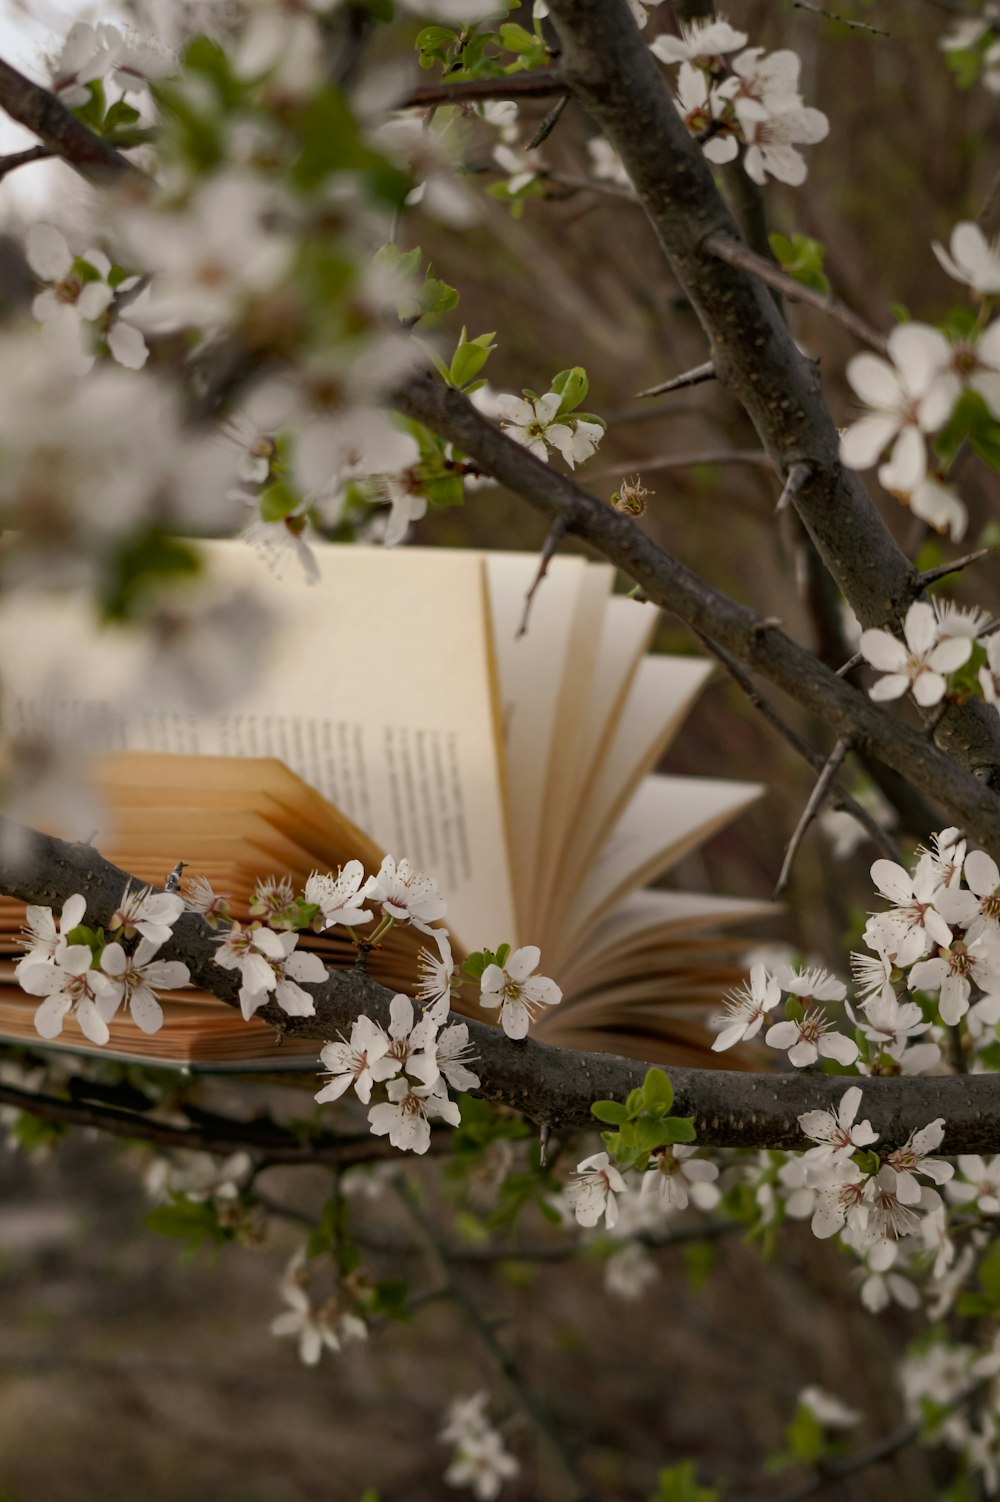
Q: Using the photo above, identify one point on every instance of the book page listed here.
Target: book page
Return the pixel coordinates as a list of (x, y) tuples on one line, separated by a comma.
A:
[(531, 670), (656, 920), (659, 696), (377, 691), (665, 818)]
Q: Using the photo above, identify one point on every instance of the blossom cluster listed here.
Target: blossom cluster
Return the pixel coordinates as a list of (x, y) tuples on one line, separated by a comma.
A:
[(753, 102), (83, 975), (481, 1460), (913, 393)]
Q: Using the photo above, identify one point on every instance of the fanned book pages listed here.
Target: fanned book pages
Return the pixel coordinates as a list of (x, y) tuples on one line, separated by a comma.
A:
[(398, 710)]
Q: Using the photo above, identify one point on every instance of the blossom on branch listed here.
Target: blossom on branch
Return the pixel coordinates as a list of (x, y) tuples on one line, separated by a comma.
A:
[(919, 663), (592, 1192), (908, 395), (517, 990)]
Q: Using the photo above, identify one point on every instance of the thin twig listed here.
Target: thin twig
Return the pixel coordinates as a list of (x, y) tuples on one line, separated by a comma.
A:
[(549, 124), (556, 533), (797, 477), (840, 1467), (850, 664), (829, 15), (812, 808), (517, 87), (685, 461), (693, 377), (24, 158), (501, 1358), (839, 796), (735, 253), (589, 184), (280, 1146), (929, 576)]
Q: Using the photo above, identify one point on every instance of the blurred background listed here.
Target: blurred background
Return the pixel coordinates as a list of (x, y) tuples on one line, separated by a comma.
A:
[(128, 1372)]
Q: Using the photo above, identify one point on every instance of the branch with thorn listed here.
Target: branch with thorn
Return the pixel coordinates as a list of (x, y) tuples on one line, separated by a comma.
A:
[(541, 1082)]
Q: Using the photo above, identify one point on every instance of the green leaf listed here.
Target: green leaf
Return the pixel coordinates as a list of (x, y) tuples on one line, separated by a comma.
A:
[(437, 296), (609, 1110), (119, 116), (633, 1103), (650, 1133), (679, 1483), (141, 567), (572, 385), (502, 955), (516, 39), (278, 501), (469, 358), (657, 1092), (474, 964), (802, 258), (678, 1129)]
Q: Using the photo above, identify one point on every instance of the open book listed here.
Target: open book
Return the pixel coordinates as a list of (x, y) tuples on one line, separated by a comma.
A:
[(397, 710)]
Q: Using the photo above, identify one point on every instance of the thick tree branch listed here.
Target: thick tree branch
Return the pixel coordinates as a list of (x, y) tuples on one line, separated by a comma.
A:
[(546, 1084), (63, 134), (610, 70), (669, 583)]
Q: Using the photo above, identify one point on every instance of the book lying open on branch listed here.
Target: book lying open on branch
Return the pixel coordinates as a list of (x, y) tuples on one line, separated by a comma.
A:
[(397, 710)]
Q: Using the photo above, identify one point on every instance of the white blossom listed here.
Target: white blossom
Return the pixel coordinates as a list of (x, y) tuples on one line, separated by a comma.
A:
[(709, 38), (989, 675), (404, 1118), (828, 1410), (913, 924), (979, 1183), (914, 1158), (313, 1327), (84, 57), (453, 1053), (746, 1008), (951, 972), (337, 896), (72, 987), (360, 1063), (973, 259), (435, 976), (921, 664), (977, 910), (533, 423), (836, 1133), (412, 1044), (405, 894), (840, 1200), (910, 394), (629, 1273), (592, 1192), (135, 977), (517, 990), (675, 1176), (47, 937), (151, 914), (809, 1038)]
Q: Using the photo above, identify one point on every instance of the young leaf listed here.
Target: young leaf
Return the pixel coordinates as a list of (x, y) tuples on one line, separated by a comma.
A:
[(657, 1092), (609, 1110)]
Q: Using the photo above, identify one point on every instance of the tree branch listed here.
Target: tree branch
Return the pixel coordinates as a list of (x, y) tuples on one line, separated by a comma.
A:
[(63, 134), (669, 583), (279, 1145), (545, 1084), (610, 70), (517, 86)]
